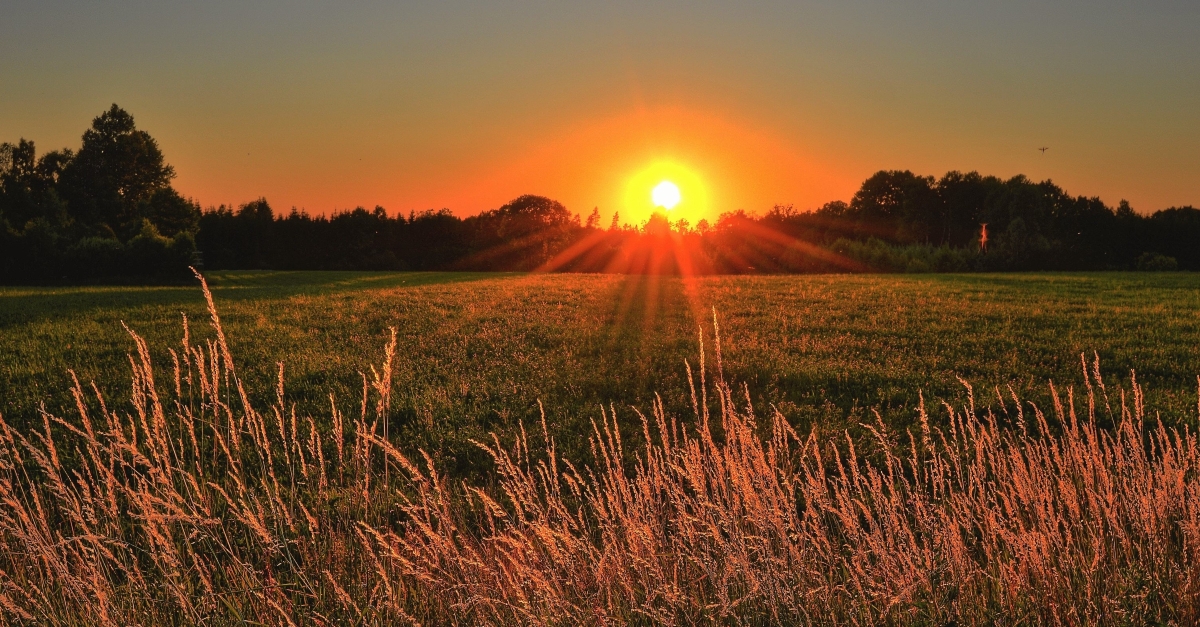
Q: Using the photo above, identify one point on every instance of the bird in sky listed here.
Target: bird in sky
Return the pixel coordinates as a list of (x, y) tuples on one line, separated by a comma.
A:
[(1044, 149)]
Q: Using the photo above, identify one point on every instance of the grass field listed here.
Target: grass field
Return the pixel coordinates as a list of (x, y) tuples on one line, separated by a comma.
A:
[(179, 501), (477, 351)]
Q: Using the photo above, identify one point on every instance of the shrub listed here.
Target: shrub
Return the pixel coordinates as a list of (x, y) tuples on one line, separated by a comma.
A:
[(1155, 262), (881, 256), (150, 254), (96, 257)]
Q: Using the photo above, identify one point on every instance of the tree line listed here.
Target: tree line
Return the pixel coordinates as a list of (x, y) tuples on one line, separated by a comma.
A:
[(108, 211)]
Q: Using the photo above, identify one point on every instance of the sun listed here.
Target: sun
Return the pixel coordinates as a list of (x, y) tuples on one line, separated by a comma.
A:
[(666, 185), (665, 195)]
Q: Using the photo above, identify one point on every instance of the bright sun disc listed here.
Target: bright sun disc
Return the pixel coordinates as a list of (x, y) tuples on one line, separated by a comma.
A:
[(665, 195), (667, 186)]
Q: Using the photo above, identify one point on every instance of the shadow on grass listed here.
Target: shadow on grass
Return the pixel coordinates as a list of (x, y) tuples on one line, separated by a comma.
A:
[(21, 305)]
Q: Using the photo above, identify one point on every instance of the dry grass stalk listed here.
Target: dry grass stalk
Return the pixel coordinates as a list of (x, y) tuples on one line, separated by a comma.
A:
[(206, 514)]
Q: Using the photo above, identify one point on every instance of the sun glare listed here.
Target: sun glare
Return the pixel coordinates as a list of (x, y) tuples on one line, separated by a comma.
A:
[(666, 185), (665, 195)]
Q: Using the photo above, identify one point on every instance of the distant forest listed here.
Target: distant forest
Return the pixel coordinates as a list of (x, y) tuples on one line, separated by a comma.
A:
[(109, 212)]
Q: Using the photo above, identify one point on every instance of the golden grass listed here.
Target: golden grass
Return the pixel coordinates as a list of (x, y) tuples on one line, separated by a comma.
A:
[(198, 508)]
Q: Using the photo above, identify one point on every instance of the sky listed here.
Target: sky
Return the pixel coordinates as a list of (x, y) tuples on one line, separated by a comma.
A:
[(326, 106)]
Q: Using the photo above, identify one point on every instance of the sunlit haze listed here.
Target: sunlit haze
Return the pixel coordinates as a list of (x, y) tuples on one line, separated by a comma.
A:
[(412, 106)]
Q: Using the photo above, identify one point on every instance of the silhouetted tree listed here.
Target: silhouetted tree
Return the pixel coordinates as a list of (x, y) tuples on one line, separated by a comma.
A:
[(35, 226), (898, 206), (522, 235), (113, 179), (28, 184), (1175, 233)]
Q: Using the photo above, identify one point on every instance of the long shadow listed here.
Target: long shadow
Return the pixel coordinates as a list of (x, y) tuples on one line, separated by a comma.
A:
[(22, 305), (644, 310)]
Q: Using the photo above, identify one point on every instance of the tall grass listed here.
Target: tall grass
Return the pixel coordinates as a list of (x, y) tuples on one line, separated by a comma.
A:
[(195, 507)]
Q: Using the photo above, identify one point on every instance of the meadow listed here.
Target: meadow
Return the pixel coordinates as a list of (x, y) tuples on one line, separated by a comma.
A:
[(355, 449), (203, 491), (476, 352)]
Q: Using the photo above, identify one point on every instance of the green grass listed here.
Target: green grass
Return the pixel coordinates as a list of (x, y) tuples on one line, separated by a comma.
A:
[(477, 351)]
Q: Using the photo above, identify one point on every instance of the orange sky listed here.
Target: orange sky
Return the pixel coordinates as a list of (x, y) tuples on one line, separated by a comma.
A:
[(719, 164), (610, 162), (326, 106)]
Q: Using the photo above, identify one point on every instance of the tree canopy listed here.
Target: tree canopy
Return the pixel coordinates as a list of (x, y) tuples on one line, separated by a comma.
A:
[(105, 210)]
